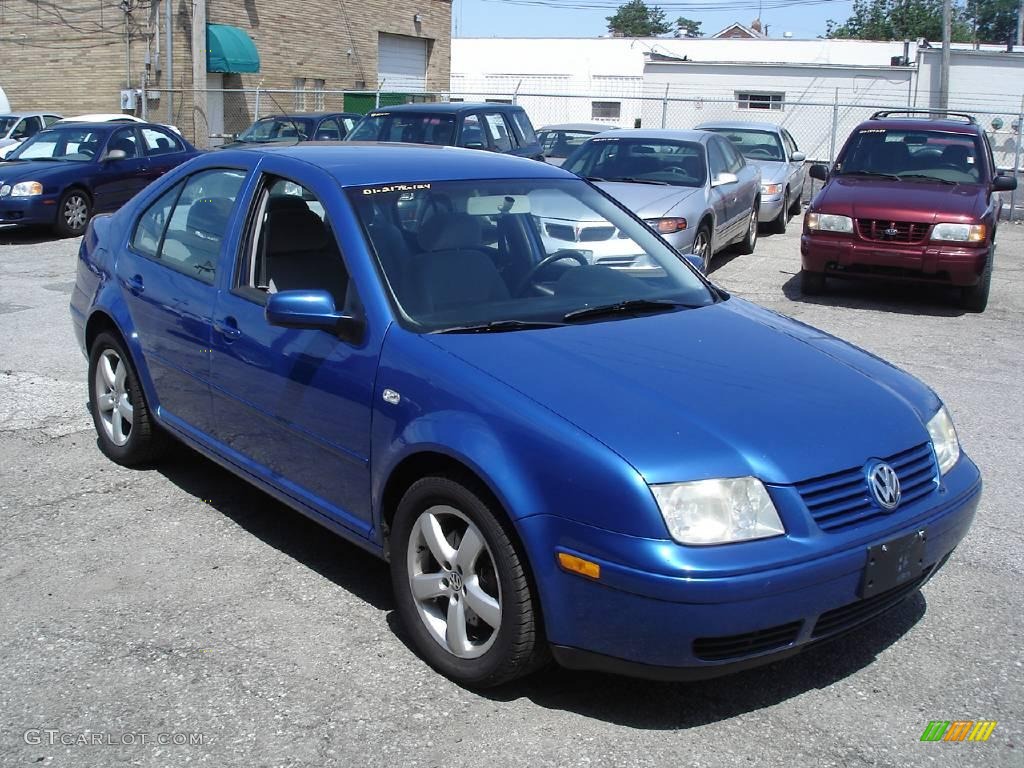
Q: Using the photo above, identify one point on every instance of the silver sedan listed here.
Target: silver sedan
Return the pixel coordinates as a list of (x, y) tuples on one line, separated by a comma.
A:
[(783, 173), (691, 187)]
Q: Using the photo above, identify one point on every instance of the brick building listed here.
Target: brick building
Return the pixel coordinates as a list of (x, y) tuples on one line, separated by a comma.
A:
[(89, 56)]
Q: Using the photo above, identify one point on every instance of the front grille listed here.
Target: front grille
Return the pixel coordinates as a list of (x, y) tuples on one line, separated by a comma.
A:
[(616, 261), (842, 499), (734, 646), (849, 616), (892, 231), (562, 232), (593, 234)]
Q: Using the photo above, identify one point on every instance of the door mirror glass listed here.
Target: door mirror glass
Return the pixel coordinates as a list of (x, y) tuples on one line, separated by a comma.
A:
[(797, 157), (819, 172), (310, 309), (115, 154), (724, 178), (1004, 183)]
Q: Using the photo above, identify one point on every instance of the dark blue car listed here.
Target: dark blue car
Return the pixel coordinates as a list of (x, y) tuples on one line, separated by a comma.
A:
[(625, 467), (63, 175)]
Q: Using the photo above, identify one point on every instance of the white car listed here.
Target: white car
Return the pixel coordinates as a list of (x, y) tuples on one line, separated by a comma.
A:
[(112, 117), (18, 126)]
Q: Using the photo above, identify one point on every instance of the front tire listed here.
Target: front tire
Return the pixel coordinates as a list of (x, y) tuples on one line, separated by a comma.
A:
[(778, 224), (124, 425), (73, 213), (749, 240), (462, 587), (974, 298), (702, 246)]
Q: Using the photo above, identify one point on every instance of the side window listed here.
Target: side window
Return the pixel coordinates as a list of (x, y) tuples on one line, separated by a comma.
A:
[(160, 143), (716, 159), (127, 141), (791, 146), (524, 127), (733, 160), (328, 130), (292, 247), (499, 131), (473, 133), (184, 228), (26, 128), (49, 120)]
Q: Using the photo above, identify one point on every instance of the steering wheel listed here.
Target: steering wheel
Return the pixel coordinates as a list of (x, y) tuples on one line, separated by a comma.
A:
[(567, 253), (765, 153), (676, 170)]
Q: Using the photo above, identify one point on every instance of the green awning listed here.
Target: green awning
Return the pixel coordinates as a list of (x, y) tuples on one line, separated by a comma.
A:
[(230, 49)]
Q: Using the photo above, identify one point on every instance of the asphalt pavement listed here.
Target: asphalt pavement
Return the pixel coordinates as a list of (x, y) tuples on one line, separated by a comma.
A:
[(175, 616)]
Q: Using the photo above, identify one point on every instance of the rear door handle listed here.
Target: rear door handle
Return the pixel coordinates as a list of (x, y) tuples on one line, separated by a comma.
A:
[(228, 328), (134, 284)]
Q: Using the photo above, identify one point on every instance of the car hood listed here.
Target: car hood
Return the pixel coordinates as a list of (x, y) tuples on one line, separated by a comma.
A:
[(901, 201), (772, 171), (647, 200), (727, 390), (13, 171)]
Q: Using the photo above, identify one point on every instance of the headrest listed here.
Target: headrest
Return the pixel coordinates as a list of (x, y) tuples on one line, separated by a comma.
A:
[(293, 230), (208, 217), (450, 232), (286, 202)]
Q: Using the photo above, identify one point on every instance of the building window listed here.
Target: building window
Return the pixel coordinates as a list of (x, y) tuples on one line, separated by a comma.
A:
[(318, 95), (746, 100), (605, 110), (299, 84)]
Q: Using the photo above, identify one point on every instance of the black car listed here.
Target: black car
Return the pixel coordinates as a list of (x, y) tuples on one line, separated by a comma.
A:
[(302, 126), (64, 174), (495, 127)]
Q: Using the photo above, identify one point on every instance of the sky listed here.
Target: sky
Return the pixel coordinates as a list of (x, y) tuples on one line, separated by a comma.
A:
[(499, 18)]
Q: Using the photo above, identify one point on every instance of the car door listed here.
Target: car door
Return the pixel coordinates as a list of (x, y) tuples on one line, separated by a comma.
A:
[(118, 180), (169, 271), (719, 193), (747, 189), (164, 151), (472, 133), (294, 405), (797, 168)]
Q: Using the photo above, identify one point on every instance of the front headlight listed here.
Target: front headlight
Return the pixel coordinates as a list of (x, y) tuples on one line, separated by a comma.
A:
[(944, 440), (960, 233), (26, 189), (829, 222), (771, 189), (718, 511)]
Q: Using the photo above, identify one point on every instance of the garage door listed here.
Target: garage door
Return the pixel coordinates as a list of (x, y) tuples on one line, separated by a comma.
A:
[(402, 63)]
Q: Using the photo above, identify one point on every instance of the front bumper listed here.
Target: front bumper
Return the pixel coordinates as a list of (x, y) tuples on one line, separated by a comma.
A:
[(649, 621), (39, 209), (841, 256), (770, 208)]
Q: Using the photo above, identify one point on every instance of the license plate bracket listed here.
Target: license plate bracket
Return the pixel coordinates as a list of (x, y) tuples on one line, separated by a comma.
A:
[(893, 563)]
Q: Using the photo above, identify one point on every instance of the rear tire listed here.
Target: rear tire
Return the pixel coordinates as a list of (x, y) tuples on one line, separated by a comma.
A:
[(124, 425), (73, 213), (812, 283), (974, 298), (462, 587)]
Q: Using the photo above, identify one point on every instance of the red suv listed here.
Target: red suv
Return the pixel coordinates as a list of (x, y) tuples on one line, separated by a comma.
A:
[(908, 198)]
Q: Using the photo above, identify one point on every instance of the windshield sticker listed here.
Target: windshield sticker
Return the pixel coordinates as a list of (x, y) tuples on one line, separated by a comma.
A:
[(395, 188)]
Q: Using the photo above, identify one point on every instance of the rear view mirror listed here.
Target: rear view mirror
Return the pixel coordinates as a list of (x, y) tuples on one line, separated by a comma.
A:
[(819, 172), (1004, 183), (797, 157), (724, 178), (313, 310)]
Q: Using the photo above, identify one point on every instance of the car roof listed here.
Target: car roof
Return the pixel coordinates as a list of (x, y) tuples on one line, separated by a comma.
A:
[(314, 115), (102, 117), (29, 114), (363, 163), (922, 124), (595, 127), (658, 133), (740, 125), (444, 107)]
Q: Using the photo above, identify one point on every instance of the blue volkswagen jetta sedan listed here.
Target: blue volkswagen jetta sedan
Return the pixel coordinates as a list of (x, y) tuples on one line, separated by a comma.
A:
[(379, 337)]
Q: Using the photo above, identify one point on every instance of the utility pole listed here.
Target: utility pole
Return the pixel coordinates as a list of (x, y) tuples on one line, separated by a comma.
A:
[(947, 33), (168, 82), (1020, 23), (199, 119)]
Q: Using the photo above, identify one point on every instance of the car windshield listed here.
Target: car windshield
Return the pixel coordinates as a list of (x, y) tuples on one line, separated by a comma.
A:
[(754, 144), (415, 128), (71, 143), (6, 123), (277, 129), (913, 155), (679, 163), (491, 255), (561, 143)]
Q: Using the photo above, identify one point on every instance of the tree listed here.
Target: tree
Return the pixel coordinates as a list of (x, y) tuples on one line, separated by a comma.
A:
[(993, 21), (635, 19), (687, 27), (900, 20)]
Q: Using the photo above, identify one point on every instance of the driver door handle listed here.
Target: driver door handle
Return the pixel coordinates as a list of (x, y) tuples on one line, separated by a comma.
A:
[(228, 328), (134, 284)]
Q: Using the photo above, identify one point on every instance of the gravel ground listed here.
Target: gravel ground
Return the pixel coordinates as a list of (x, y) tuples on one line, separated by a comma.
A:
[(177, 600)]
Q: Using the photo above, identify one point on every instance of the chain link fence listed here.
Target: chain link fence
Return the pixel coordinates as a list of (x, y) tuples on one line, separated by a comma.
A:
[(211, 117)]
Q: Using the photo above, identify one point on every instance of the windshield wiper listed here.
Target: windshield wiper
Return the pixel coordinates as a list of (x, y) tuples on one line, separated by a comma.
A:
[(596, 178), (629, 307), (500, 326), (636, 180), (926, 177), (892, 176)]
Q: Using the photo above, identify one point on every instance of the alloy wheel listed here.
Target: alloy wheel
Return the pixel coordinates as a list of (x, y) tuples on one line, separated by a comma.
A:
[(75, 212), (702, 249), (113, 397), (453, 582)]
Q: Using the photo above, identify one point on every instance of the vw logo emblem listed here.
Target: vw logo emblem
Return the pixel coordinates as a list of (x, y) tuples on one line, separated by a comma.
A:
[(885, 485)]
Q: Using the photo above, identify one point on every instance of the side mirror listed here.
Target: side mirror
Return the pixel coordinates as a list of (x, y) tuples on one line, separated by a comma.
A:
[(115, 154), (797, 157), (1003, 183), (819, 172), (313, 310), (695, 261), (724, 178)]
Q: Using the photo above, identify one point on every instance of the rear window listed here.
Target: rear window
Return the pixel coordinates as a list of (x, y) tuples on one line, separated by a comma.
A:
[(407, 127), (914, 154)]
